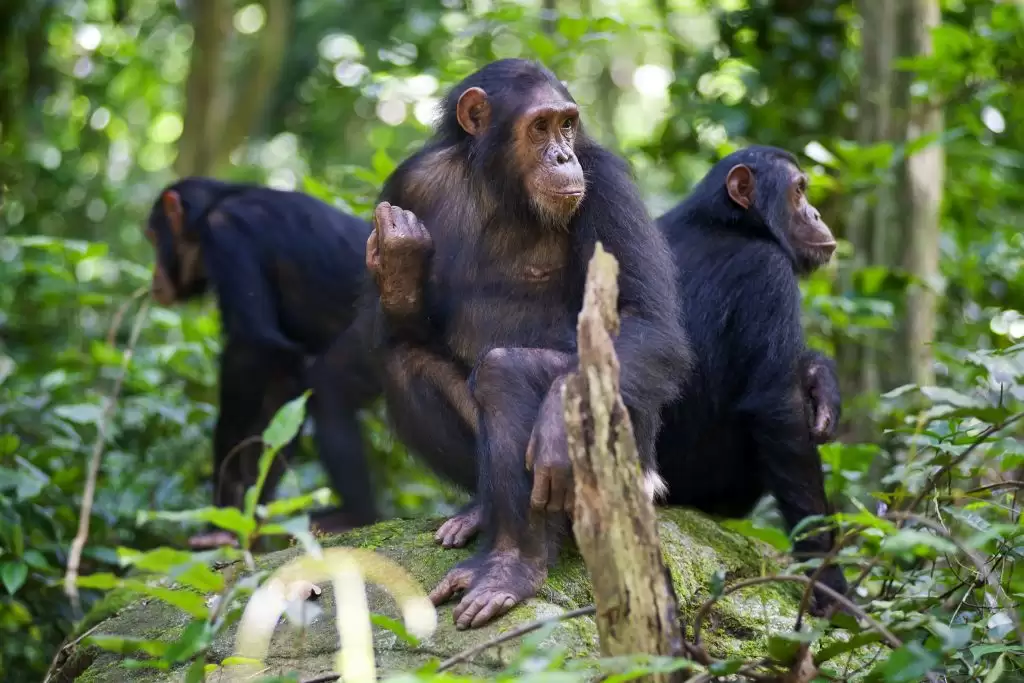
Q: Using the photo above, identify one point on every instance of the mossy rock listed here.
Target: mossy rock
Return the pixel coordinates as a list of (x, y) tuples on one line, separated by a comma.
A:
[(695, 547)]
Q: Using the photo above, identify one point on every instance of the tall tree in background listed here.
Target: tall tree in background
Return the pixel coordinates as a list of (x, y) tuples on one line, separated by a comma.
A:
[(896, 226), (218, 118), (922, 179)]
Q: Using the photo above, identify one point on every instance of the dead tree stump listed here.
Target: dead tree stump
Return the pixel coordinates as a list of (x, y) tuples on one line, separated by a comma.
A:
[(614, 521)]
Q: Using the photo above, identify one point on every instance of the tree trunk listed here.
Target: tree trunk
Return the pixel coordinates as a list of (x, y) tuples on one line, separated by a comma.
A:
[(204, 90), (250, 100), (870, 224), (922, 180), (614, 521)]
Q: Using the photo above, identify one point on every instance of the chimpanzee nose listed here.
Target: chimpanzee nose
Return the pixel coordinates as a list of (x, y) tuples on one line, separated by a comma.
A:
[(561, 157)]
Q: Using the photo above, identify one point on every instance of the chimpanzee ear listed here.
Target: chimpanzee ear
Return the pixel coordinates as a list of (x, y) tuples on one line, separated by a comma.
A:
[(175, 212), (740, 184), (473, 111)]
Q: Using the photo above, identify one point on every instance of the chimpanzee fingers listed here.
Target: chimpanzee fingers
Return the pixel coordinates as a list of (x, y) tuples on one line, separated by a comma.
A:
[(540, 494), (561, 480), (823, 426), (373, 251), (530, 448), (382, 217), (458, 530)]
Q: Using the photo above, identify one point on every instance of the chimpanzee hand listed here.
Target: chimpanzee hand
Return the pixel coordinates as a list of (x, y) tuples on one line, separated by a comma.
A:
[(821, 397), (548, 456), (398, 253)]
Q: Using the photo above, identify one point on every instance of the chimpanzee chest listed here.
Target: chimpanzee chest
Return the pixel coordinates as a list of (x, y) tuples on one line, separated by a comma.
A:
[(515, 296)]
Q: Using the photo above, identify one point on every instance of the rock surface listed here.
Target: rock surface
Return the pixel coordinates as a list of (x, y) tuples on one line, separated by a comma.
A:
[(694, 546)]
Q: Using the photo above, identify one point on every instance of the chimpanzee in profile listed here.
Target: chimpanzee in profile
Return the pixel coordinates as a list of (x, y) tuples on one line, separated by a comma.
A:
[(475, 320), (741, 240), (287, 270)]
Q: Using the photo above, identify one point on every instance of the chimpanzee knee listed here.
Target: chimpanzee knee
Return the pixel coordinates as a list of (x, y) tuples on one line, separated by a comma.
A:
[(506, 372)]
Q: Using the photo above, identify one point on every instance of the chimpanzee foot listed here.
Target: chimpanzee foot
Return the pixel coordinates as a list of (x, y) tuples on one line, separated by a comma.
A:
[(212, 539), (491, 585), (823, 604), (460, 529)]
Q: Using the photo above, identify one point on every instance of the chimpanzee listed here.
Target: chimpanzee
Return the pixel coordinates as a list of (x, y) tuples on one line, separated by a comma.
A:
[(741, 240), (475, 318), (287, 270)]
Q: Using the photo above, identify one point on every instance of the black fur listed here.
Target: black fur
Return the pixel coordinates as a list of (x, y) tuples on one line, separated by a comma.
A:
[(286, 270), (508, 335), (740, 430)]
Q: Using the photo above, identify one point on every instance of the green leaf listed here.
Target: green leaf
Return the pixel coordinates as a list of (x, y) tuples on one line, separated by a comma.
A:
[(771, 535), (13, 575), (286, 423), (185, 600), (841, 647), (909, 664), (997, 671), (726, 667), (917, 542), (103, 581), (230, 519), (783, 647), (288, 506), (396, 627), (161, 560), (127, 646)]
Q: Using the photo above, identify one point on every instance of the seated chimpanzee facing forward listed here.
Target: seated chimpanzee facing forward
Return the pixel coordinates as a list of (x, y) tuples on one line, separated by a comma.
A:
[(475, 321), (741, 240), (287, 270)]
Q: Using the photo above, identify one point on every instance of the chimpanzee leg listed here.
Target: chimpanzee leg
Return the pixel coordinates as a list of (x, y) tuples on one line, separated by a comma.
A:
[(433, 412), (342, 384), (509, 385), (254, 384), (792, 470)]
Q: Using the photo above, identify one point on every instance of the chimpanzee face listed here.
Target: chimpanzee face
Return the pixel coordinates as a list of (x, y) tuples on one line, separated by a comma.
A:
[(543, 139), (781, 201), (810, 238), (177, 272)]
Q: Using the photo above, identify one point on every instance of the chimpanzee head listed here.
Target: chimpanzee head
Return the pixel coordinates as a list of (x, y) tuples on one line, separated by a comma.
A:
[(178, 272), (521, 129), (766, 183)]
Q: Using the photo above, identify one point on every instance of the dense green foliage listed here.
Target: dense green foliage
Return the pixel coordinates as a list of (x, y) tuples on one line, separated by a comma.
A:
[(92, 108)]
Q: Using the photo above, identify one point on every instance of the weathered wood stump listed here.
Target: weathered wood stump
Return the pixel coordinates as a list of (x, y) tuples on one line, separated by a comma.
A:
[(614, 520)]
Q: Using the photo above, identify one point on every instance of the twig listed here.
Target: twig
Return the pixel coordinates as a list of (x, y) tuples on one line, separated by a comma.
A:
[(983, 571), (805, 599), (89, 494), (477, 649), (58, 658), (1009, 484), (115, 323), (933, 482), (834, 594), (513, 634)]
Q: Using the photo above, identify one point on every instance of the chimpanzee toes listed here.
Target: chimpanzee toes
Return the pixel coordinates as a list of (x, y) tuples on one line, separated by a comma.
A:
[(476, 610)]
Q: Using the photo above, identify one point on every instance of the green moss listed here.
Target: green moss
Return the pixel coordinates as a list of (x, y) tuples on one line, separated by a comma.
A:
[(694, 546)]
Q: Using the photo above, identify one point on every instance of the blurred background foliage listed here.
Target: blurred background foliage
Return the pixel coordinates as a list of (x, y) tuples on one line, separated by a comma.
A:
[(907, 114)]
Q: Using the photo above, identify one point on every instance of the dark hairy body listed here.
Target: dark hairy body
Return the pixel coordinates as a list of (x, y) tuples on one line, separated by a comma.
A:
[(740, 429), (287, 270), (480, 252)]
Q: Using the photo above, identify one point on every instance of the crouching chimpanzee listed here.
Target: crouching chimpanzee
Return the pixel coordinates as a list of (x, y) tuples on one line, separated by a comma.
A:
[(287, 270), (475, 321), (741, 240)]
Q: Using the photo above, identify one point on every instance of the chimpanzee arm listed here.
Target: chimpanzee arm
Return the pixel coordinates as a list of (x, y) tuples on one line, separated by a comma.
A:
[(247, 304), (823, 403), (652, 348)]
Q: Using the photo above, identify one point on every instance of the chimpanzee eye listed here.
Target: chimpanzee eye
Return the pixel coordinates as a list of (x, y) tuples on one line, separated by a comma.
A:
[(568, 124), (541, 125)]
